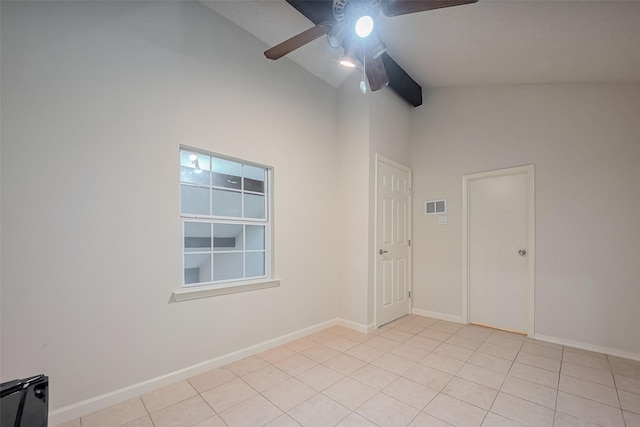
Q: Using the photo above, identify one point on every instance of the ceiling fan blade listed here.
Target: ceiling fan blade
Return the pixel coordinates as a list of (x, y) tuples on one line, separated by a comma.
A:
[(403, 7), (376, 73), (297, 41)]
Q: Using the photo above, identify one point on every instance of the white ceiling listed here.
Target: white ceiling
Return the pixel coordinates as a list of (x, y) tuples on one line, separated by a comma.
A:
[(490, 42)]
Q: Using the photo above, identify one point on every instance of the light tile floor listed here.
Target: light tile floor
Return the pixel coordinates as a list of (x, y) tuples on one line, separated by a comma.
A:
[(416, 371)]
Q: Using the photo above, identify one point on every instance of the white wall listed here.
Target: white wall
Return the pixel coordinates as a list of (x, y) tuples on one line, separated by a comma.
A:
[(584, 141), (97, 97)]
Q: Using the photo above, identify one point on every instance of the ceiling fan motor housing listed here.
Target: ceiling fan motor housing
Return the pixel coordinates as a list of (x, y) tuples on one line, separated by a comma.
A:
[(353, 9)]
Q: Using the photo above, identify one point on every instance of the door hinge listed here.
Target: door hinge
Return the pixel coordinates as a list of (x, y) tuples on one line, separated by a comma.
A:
[(409, 294), (409, 190), (409, 242)]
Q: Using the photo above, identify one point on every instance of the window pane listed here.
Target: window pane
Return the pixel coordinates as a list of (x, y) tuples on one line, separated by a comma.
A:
[(227, 203), (197, 236), (255, 264), (227, 266), (226, 167), (194, 167), (254, 179), (197, 268), (254, 206), (227, 237), (227, 181), (194, 200), (255, 237)]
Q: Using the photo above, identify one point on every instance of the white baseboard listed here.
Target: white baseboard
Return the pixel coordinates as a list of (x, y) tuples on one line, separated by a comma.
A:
[(75, 410), (436, 315), (365, 329), (590, 347)]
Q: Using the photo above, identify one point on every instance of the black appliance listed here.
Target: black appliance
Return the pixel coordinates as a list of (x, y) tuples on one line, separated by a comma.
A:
[(25, 402)]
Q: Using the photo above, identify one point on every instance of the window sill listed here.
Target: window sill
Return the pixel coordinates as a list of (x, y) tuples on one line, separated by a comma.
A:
[(185, 294)]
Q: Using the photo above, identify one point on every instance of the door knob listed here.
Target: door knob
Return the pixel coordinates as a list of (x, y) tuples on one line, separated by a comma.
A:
[(522, 252), (382, 252)]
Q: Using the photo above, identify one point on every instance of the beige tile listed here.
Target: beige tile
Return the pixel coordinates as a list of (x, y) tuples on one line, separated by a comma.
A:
[(625, 367), (455, 411), (289, 394), (215, 421), (72, 423), (589, 410), (338, 330), (256, 411), (410, 352), (411, 328), (541, 362), (247, 365), (632, 420), (565, 420), (627, 384), (536, 393), (585, 352), (471, 392), (283, 420), (320, 377), (359, 337), (495, 420), (454, 351), (443, 363), (426, 420), (506, 339), (522, 411), (499, 350), (422, 343), (319, 411), (212, 379), (384, 410), (185, 413), (366, 353), (344, 364), (544, 343), (630, 401), (410, 392), (265, 378), (586, 360), (478, 374), (397, 335), (491, 362), (392, 363), (542, 350), (428, 376), (320, 353), (464, 342), (277, 354), (167, 396), (444, 326), (115, 415), (341, 343), (382, 343), (583, 388), (321, 336), (140, 422), (296, 364), (590, 374), (434, 335), (375, 377), (301, 344), (228, 395), (355, 420), (350, 393), (535, 375), (477, 333)]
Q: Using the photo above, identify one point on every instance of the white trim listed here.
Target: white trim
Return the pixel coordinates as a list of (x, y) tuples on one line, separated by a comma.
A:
[(589, 347), (75, 410), (365, 329), (195, 292), (383, 159), (531, 250), (436, 315)]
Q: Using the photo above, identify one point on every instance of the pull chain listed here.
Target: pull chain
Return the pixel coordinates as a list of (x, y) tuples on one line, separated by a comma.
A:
[(363, 85)]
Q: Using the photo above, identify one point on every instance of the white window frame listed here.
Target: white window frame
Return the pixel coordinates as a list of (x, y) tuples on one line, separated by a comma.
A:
[(222, 287)]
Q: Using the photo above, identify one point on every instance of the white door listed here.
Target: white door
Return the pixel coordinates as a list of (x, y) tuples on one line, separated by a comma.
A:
[(393, 268), (499, 249)]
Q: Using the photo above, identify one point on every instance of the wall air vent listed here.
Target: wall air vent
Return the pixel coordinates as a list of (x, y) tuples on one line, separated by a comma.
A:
[(435, 207)]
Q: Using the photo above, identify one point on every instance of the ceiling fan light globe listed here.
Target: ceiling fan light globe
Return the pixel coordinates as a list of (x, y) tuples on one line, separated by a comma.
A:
[(364, 26)]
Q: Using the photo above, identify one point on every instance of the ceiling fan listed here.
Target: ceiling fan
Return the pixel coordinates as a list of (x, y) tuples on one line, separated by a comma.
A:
[(350, 24)]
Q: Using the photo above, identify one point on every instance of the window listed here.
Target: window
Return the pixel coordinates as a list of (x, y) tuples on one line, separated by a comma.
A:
[(226, 225)]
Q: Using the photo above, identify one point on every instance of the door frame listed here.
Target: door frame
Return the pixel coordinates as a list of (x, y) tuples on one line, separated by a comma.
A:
[(531, 249), (381, 159)]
